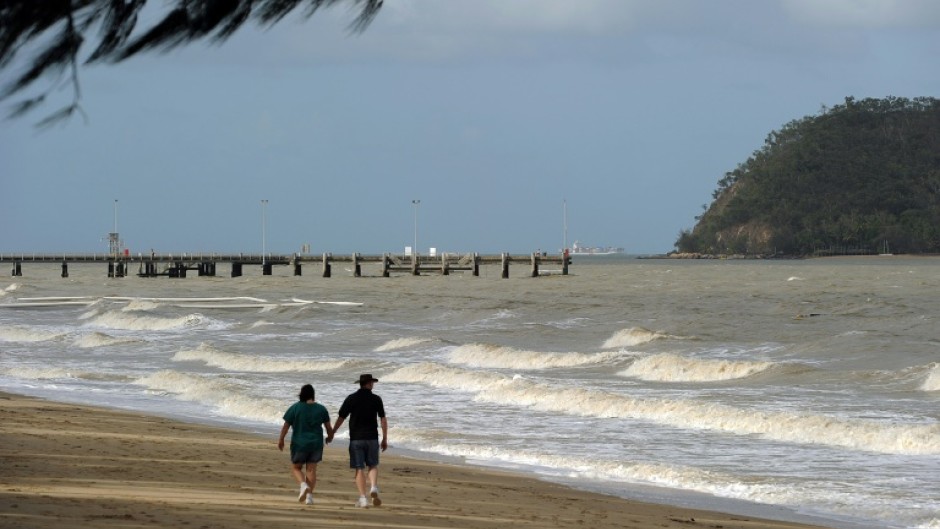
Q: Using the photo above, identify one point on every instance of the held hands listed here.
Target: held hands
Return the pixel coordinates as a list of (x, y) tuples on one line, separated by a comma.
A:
[(329, 439)]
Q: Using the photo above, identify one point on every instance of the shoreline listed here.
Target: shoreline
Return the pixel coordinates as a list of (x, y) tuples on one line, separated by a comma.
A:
[(86, 466)]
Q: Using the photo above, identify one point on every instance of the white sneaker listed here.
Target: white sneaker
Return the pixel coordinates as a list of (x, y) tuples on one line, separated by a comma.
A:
[(363, 502), (376, 501), (309, 499), (304, 491)]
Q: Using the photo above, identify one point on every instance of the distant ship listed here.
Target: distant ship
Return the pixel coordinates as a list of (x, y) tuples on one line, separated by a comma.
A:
[(578, 249)]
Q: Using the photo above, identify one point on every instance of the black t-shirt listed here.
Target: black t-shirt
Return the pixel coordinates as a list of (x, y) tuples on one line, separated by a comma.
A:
[(364, 406)]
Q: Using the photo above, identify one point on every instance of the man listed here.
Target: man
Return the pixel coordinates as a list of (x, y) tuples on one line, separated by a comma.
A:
[(364, 407)]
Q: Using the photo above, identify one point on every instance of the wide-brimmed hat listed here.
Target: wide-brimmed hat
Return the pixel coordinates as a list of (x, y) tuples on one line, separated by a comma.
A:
[(366, 378)]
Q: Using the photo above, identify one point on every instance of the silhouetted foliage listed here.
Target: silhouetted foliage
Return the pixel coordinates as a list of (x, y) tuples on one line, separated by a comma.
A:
[(855, 177), (60, 28)]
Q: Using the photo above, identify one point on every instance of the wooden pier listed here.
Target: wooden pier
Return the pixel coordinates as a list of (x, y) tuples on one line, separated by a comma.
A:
[(178, 265)]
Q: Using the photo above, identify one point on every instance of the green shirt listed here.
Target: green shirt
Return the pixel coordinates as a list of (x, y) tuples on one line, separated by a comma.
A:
[(306, 421)]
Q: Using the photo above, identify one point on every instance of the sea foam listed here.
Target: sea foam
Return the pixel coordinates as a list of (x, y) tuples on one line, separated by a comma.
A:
[(855, 434), (500, 357), (39, 373), (749, 488), (675, 368), (258, 364)]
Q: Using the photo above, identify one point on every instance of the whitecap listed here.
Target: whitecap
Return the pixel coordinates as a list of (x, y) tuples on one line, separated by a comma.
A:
[(674, 368), (227, 396), (932, 382), (98, 339), (401, 343), (131, 321), (632, 337), (500, 357), (20, 333), (803, 428), (259, 364)]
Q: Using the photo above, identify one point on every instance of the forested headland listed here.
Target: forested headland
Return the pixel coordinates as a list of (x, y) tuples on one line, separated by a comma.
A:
[(859, 177)]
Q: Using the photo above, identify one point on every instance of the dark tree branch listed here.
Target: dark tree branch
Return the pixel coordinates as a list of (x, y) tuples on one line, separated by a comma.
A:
[(25, 22)]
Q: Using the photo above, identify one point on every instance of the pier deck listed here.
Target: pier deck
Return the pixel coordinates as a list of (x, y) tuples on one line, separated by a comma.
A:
[(176, 265)]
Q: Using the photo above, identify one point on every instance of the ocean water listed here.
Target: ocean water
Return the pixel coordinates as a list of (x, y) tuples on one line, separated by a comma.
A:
[(781, 388)]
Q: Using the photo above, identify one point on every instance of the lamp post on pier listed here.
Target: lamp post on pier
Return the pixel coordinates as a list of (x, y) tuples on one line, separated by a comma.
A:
[(264, 204), (414, 251), (114, 240)]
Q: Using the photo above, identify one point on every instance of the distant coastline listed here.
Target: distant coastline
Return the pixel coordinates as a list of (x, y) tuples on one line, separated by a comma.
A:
[(781, 257)]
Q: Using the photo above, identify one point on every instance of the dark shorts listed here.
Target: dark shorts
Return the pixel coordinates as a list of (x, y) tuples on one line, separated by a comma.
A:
[(364, 453), (300, 457)]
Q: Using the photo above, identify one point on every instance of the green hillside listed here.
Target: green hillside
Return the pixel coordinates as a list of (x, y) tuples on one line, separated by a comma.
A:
[(848, 180)]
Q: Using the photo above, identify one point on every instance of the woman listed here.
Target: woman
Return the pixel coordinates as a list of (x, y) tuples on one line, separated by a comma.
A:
[(307, 418)]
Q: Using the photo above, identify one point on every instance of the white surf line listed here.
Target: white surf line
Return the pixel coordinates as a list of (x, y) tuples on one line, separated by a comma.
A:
[(307, 302), (56, 298), (220, 306), (47, 304), (184, 300)]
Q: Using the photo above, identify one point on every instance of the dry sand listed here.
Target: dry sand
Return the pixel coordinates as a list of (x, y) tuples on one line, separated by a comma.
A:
[(64, 465)]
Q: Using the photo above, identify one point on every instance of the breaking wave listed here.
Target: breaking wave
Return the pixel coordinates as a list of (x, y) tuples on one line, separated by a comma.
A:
[(494, 319), (53, 373), (258, 364), (226, 395), (674, 368), (140, 305), (855, 434), (17, 333), (932, 383), (632, 337), (98, 339), (499, 357), (130, 321), (401, 343), (681, 477)]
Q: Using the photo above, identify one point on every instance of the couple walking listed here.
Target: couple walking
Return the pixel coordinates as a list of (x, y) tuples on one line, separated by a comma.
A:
[(308, 418)]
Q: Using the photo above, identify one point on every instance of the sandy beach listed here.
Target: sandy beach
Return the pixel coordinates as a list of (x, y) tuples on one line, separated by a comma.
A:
[(63, 465)]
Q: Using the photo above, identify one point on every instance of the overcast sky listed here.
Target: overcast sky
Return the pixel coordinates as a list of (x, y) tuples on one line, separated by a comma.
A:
[(492, 113)]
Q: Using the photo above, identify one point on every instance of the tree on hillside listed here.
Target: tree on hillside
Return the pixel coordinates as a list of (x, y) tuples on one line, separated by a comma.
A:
[(57, 31), (856, 176)]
